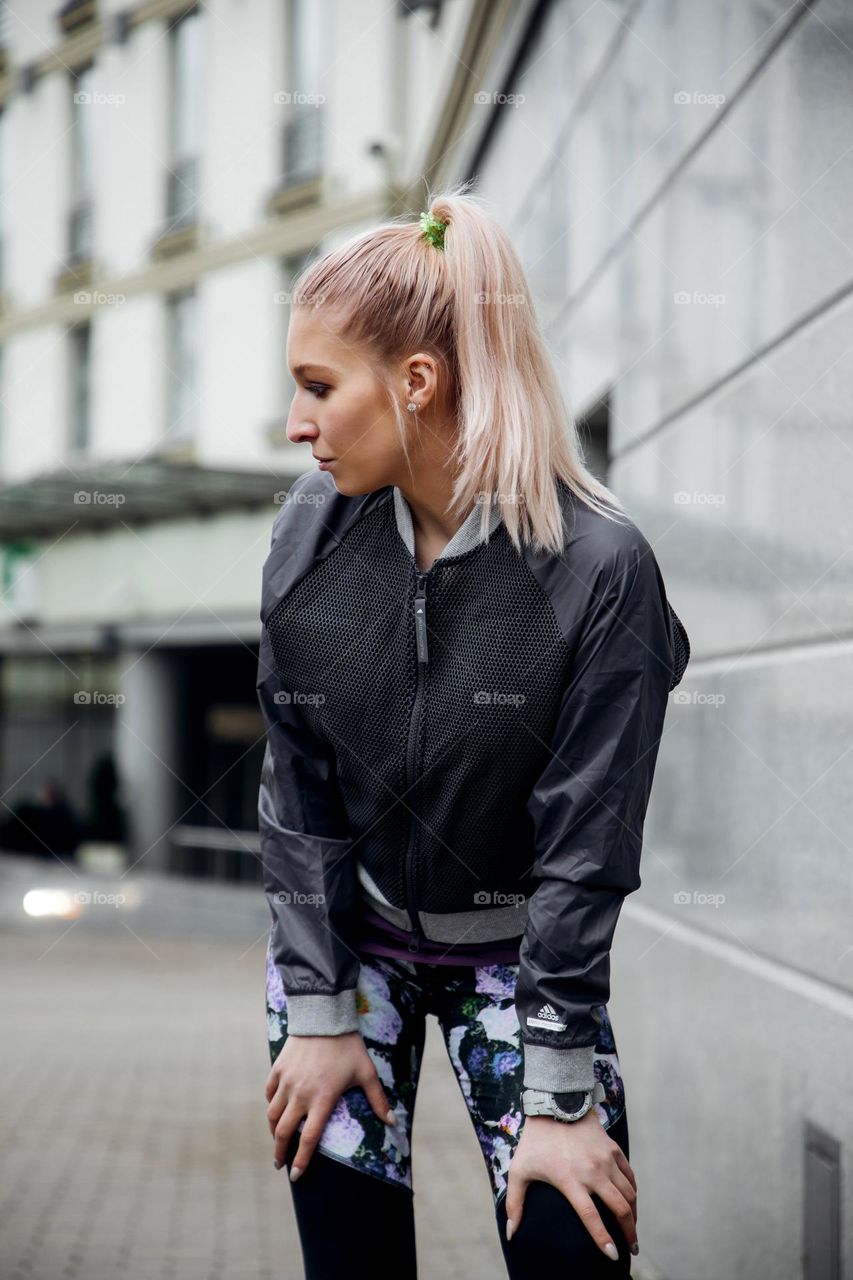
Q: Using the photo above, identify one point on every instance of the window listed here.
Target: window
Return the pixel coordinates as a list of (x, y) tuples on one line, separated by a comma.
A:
[(180, 365), (184, 125), (75, 14), (303, 96), (432, 7), (80, 205), (80, 387)]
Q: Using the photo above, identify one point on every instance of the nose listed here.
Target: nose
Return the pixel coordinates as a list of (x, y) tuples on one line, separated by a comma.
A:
[(298, 431)]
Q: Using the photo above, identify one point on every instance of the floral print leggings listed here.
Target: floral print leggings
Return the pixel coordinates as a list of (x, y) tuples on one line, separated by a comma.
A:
[(475, 1008)]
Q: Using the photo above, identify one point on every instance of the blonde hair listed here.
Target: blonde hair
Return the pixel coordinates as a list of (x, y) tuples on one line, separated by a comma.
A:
[(469, 305)]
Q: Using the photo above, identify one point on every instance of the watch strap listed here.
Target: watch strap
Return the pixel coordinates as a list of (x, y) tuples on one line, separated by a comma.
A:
[(561, 1106)]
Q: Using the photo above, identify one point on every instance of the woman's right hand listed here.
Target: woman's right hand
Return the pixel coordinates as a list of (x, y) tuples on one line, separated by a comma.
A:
[(579, 1158), (307, 1079)]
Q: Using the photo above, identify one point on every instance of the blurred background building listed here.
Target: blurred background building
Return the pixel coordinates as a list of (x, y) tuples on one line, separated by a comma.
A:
[(166, 170), (677, 178)]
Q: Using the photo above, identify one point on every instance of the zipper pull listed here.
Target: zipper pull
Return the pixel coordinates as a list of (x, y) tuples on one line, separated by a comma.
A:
[(416, 939), (420, 619)]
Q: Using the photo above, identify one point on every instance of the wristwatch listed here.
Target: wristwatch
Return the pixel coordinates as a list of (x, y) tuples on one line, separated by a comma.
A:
[(561, 1106)]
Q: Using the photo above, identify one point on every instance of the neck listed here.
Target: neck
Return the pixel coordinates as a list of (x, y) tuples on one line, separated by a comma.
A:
[(428, 489)]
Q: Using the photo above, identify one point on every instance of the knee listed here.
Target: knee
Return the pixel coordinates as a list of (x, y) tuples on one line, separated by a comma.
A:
[(552, 1238)]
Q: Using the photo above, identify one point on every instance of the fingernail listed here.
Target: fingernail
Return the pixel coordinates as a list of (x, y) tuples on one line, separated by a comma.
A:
[(611, 1251), (635, 1248), (276, 1163), (509, 1228), (295, 1173), (391, 1118)]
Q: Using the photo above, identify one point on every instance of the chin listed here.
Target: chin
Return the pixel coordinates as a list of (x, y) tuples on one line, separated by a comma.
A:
[(353, 487)]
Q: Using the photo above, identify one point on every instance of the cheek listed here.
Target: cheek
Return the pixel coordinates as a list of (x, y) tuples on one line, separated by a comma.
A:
[(363, 423), (339, 425)]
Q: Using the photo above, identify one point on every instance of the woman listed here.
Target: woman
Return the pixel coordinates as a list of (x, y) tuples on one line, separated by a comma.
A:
[(465, 660)]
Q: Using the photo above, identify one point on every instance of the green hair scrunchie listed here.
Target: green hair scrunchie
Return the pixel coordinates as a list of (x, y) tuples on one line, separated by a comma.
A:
[(433, 229)]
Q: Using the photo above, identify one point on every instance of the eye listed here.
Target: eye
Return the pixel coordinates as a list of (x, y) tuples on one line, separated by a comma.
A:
[(316, 389)]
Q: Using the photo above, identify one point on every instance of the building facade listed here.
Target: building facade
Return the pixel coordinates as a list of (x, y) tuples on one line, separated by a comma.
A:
[(678, 178)]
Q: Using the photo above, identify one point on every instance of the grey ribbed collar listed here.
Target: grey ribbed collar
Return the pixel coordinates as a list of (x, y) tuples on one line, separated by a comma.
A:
[(466, 537)]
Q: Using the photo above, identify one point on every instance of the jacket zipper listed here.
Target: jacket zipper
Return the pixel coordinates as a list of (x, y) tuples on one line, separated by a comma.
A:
[(423, 658)]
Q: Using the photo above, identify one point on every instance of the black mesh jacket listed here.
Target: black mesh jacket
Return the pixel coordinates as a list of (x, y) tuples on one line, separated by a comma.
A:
[(468, 749)]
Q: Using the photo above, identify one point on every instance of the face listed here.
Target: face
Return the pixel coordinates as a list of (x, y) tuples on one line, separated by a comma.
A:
[(341, 408)]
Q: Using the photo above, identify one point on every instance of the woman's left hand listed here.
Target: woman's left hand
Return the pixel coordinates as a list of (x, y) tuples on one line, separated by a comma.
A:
[(578, 1158)]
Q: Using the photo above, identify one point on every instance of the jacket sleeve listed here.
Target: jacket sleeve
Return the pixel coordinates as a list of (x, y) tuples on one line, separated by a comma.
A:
[(588, 808), (307, 858)]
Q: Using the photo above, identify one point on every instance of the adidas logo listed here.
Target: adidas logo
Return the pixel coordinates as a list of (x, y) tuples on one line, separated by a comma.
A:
[(548, 1019)]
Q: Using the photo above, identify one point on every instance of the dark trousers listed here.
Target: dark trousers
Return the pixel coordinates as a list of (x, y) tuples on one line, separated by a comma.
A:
[(352, 1223)]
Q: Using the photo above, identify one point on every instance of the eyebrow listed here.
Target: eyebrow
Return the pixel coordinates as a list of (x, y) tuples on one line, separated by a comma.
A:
[(302, 369)]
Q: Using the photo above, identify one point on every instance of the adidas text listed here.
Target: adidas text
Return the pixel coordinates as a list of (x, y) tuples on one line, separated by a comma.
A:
[(548, 1019)]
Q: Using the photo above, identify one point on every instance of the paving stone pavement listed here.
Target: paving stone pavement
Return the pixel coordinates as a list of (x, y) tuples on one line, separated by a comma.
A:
[(132, 1122)]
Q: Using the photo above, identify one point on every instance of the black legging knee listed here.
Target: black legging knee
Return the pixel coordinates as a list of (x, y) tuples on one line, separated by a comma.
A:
[(352, 1223)]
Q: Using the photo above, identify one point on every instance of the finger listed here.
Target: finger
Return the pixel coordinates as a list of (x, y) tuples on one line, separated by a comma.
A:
[(311, 1133), (377, 1097), (284, 1132), (277, 1104), (619, 1207), (622, 1161), (624, 1187), (583, 1206), (516, 1189), (271, 1084)]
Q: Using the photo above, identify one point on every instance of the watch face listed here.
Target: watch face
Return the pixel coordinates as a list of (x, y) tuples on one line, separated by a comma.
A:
[(570, 1101)]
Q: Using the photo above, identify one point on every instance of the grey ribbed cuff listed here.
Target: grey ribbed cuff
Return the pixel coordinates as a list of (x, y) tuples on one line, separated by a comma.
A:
[(559, 1070), (331, 1015)]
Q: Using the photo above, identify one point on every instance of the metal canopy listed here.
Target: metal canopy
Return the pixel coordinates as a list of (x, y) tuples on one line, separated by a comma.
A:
[(127, 491)]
